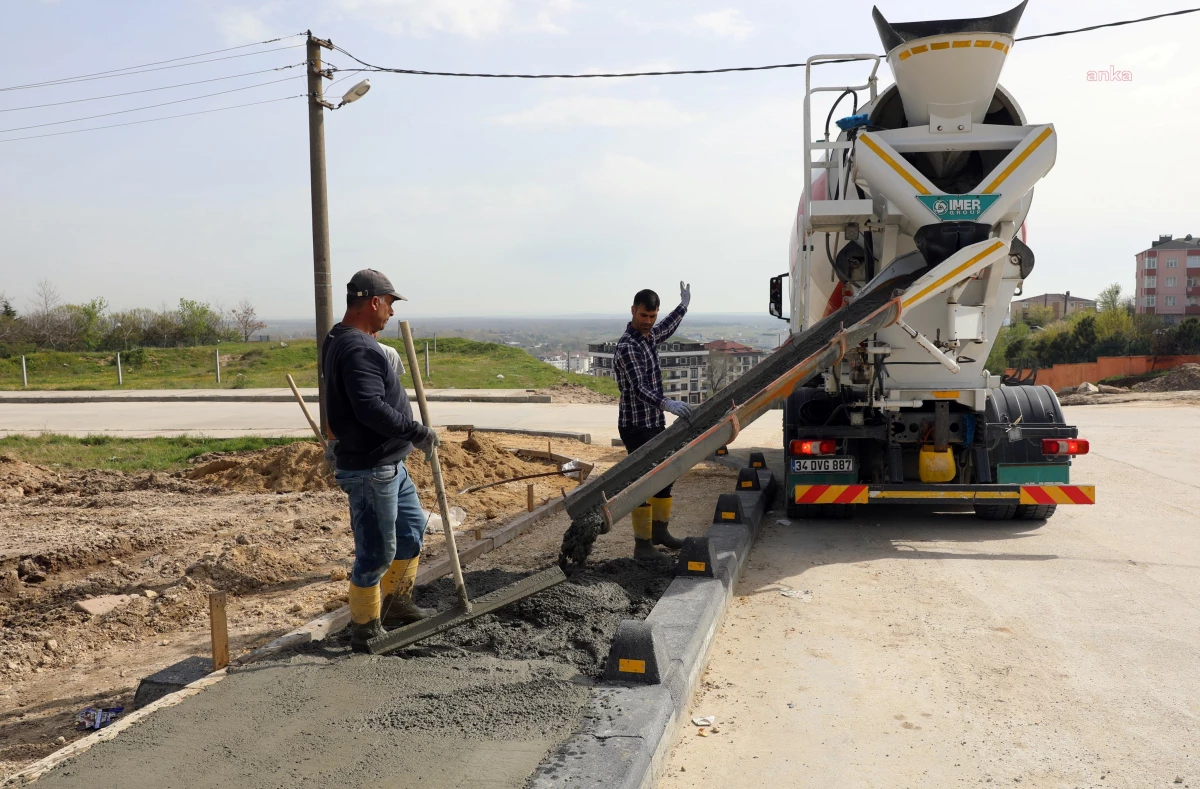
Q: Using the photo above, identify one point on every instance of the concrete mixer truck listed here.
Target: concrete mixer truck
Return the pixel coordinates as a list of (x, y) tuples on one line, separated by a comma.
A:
[(907, 248), (923, 193)]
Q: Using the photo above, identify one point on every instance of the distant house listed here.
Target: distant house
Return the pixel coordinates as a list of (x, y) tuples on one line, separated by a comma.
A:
[(729, 360), (574, 362), (1061, 303), (684, 366), (1168, 278)]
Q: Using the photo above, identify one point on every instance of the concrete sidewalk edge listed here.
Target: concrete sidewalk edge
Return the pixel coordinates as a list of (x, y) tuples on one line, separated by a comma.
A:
[(250, 398), (628, 731)]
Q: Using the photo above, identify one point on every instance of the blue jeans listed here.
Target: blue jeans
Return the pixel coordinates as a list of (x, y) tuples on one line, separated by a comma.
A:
[(386, 517)]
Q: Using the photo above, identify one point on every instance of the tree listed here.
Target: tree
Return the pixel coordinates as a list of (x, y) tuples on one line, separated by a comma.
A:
[(1084, 335), (89, 323), (245, 317), (1110, 298), (1038, 315), (1187, 336), (47, 322)]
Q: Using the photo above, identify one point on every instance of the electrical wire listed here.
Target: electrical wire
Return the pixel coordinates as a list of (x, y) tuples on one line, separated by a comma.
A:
[(127, 73), (154, 120), (1110, 24), (620, 75), (155, 63), (149, 90), (147, 107)]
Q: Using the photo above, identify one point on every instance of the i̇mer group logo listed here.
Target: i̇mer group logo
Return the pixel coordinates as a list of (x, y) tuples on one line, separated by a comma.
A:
[(957, 208)]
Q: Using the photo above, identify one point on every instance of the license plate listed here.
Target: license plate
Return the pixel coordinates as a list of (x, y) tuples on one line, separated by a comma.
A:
[(830, 465)]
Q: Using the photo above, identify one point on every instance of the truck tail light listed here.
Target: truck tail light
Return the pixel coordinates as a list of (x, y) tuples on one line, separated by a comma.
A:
[(1065, 446), (814, 447)]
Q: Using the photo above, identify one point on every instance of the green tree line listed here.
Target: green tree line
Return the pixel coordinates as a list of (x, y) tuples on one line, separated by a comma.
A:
[(1037, 339), (51, 325)]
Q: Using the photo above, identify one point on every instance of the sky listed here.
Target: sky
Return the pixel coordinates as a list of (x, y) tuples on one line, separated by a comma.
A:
[(535, 198)]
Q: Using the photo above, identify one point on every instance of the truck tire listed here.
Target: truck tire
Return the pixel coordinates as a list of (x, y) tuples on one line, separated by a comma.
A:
[(995, 512), (837, 512), (804, 511), (833, 512), (1035, 512)]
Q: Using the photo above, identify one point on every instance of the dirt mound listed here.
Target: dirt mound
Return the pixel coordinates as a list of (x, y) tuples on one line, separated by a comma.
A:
[(577, 393), (245, 568), (1185, 378), (19, 479), (287, 469)]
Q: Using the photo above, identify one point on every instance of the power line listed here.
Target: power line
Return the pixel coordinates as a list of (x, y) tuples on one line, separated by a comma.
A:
[(1111, 24), (148, 90), (155, 63), (620, 75), (155, 120), (147, 107), (126, 73)]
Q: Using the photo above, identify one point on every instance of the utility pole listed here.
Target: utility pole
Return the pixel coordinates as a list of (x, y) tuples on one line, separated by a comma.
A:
[(322, 273)]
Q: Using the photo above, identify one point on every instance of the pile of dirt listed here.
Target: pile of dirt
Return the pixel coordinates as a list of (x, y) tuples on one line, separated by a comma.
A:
[(245, 568), (288, 469), (577, 393), (19, 479), (1185, 378)]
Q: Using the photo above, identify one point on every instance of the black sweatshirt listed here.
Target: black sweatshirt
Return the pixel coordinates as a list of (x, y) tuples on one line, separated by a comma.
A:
[(368, 409)]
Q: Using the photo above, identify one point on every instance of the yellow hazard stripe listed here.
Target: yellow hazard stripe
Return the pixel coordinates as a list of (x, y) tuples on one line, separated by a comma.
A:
[(1058, 494), (953, 274), (957, 44), (944, 494), (1025, 154), (904, 173)]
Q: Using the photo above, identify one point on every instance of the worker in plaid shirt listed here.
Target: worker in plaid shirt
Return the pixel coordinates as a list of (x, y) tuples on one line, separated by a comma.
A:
[(642, 405)]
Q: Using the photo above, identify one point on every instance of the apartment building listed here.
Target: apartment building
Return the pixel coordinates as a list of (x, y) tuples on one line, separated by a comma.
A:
[(1168, 278)]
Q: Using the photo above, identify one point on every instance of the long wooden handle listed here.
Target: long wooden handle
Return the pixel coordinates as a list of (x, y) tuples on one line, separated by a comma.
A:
[(443, 505), (299, 399)]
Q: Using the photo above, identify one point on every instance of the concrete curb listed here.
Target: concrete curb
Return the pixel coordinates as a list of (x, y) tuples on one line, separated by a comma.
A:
[(250, 398), (627, 730)]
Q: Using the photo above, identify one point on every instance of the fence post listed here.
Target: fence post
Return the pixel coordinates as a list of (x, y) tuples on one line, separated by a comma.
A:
[(120, 378), (218, 353), (427, 358), (24, 374)]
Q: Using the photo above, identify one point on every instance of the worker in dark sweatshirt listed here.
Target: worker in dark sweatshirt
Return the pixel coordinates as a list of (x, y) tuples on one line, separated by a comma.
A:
[(368, 411)]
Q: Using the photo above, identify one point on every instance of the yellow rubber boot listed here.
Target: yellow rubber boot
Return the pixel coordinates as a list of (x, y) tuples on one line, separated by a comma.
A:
[(659, 535), (643, 530), (397, 584), (364, 613)]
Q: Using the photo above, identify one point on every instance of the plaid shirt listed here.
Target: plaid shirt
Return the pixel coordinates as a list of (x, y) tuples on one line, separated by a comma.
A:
[(638, 374)]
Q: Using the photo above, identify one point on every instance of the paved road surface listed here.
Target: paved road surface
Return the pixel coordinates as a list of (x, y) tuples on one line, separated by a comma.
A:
[(938, 650), (282, 419)]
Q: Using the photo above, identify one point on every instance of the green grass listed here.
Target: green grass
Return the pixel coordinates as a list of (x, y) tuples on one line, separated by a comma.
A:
[(126, 454), (459, 363)]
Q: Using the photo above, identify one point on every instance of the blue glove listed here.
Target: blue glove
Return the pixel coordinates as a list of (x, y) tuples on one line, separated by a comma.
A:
[(685, 294), (678, 408)]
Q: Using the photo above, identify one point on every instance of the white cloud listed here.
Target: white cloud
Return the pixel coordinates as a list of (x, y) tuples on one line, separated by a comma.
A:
[(599, 111), (470, 18), (726, 23), (239, 25)]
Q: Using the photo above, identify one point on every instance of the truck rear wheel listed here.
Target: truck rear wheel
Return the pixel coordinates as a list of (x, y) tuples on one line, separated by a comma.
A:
[(1035, 512), (996, 512)]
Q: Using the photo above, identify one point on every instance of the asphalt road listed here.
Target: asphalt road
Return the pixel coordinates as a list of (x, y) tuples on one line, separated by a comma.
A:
[(932, 649), (225, 419)]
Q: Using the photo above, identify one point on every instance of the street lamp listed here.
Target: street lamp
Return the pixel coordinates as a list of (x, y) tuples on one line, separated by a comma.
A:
[(322, 271)]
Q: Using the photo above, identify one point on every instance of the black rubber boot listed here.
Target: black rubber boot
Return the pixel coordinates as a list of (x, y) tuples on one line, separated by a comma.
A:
[(663, 537), (363, 633), (644, 549), (400, 610)]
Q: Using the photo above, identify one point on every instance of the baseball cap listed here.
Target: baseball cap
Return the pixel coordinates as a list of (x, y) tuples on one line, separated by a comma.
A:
[(370, 282)]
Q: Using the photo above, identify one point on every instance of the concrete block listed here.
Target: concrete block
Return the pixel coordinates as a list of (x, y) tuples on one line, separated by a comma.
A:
[(102, 605), (747, 480), (636, 654), (696, 558), (729, 509), (171, 679), (757, 460)]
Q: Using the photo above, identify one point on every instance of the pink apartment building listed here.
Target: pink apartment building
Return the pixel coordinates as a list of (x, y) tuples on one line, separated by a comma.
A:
[(1168, 278)]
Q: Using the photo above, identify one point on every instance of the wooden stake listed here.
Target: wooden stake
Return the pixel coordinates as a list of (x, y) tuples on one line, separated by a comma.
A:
[(529, 496), (299, 399), (220, 630)]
